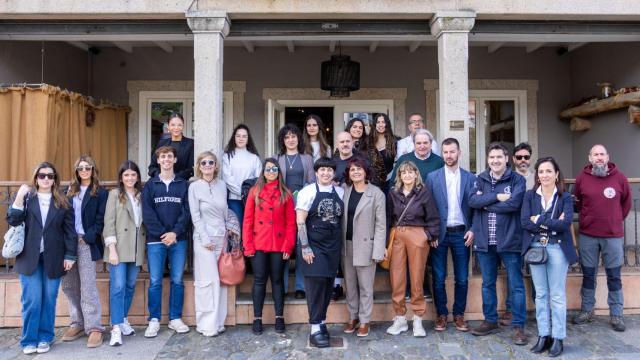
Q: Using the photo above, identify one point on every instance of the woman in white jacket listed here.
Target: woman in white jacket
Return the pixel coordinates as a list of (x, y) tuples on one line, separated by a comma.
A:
[(208, 206), (239, 163)]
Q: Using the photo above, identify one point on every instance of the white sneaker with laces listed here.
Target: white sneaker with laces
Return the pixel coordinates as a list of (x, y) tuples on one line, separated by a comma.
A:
[(116, 336), (418, 330), (152, 328), (43, 347), (178, 326), (29, 349), (399, 326), (126, 328)]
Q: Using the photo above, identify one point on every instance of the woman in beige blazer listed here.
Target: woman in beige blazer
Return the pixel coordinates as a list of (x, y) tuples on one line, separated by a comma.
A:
[(364, 236), (124, 237)]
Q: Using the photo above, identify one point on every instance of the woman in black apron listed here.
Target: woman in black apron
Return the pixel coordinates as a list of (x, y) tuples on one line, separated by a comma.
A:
[(319, 212)]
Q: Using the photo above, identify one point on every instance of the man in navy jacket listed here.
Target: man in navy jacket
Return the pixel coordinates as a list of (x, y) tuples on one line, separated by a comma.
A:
[(451, 187), (497, 198), (165, 213)]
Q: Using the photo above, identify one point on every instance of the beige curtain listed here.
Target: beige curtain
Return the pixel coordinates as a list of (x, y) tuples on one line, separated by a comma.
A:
[(47, 123)]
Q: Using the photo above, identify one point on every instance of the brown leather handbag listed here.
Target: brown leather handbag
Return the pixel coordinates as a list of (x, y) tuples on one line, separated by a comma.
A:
[(231, 267), (386, 263)]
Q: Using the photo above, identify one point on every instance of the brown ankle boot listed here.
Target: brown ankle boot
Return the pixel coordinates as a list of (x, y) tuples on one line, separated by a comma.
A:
[(95, 339), (73, 333)]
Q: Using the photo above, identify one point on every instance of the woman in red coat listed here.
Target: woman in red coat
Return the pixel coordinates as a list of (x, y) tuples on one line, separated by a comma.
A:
[(269, 232)]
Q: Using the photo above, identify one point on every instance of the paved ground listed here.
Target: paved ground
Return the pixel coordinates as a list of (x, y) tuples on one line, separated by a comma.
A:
[(591, 341)]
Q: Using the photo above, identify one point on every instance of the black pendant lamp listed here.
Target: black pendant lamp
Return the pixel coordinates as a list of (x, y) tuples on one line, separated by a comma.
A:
[(340, 75)]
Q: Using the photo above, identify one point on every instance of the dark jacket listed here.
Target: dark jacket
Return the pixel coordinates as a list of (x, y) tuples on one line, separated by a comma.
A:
[(421, 212), (438, 185), (60, 238), (93, 208), (165, 211), (508, 229), (548, 222), (184, 166), (603, 202)]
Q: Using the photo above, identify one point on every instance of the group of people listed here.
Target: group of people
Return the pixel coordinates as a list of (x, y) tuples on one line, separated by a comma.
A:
[(336, 214)]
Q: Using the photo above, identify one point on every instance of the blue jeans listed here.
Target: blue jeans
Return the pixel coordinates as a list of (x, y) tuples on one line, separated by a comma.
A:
[(156, 255), (550, 280), (122, 285), (460, 255), (299, 278), (489, 267), (238, 208), (39, 294)]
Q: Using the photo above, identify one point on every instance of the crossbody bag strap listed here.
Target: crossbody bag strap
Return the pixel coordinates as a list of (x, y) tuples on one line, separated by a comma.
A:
[(405, 210)]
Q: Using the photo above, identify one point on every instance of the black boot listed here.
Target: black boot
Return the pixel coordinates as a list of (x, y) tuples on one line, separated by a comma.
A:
[(280, 325), (556, 348), (257, 327), (543, 344)]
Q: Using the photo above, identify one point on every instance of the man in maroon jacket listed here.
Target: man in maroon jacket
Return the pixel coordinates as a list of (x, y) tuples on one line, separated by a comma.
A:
[(603, 197)]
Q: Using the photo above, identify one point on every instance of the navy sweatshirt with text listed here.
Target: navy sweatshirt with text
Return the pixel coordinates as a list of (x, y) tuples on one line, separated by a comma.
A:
[(165, 209)]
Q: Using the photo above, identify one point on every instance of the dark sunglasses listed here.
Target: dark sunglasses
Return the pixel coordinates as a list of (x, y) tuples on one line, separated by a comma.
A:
[(273, 169), (84, 168), (520, 157), (50, 176), (207, 162)]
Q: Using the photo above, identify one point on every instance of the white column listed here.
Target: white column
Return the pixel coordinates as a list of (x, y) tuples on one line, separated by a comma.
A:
[(451, 28), (209, 29)]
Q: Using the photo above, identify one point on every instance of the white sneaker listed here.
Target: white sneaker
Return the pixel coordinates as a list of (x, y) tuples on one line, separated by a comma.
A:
[(178, 326), (152, 329), (399, 326), (418, 330), (43, 347), (29, 349), (221, 329), (116, 336), (126, 328)]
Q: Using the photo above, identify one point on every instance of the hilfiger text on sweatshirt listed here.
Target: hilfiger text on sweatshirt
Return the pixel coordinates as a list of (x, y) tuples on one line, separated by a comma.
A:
[(166, 199)]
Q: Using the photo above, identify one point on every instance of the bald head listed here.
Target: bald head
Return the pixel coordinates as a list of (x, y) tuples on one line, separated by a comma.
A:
[(345, 144), (599, 159)]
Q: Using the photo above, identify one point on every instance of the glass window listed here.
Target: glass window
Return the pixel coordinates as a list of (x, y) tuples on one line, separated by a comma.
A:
[(160, 111)]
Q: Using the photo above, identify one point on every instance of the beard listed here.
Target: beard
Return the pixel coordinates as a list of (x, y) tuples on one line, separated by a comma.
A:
[(600, 170)]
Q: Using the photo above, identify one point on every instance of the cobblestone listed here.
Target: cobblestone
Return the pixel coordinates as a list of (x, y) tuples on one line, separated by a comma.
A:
[(590, 341)]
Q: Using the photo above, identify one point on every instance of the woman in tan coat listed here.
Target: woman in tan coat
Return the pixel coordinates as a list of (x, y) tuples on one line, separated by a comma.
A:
[(124, 238), (364, 237)]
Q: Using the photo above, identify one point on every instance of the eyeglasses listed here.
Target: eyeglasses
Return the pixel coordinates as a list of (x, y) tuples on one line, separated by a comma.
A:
[(520, 157), (49, 176), (273, 169), (84, 168), (207, 162)]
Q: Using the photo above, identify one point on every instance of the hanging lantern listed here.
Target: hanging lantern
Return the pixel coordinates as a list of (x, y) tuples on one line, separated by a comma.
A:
[(340, 75)]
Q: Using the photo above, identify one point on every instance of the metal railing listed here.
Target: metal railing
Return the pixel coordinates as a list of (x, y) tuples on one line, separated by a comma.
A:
[(8, 190)]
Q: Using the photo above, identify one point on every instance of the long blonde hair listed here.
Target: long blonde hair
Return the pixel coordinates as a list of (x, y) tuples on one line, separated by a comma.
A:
[(407, 165), (59, 200), (74, 187)]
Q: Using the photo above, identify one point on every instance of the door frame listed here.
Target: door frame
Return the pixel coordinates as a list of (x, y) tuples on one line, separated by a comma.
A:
[(334, 103)]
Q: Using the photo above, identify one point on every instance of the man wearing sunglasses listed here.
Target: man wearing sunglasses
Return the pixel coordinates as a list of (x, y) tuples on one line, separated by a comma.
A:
[(522, 162)]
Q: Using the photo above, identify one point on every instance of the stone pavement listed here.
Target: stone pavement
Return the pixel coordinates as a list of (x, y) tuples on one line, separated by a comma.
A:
[(590, 341)]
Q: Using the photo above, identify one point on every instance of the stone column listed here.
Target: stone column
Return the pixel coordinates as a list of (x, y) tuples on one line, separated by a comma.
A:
[(451, 28), (209, 29)]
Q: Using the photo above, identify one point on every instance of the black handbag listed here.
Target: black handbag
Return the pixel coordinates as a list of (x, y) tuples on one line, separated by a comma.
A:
[(538, 255)]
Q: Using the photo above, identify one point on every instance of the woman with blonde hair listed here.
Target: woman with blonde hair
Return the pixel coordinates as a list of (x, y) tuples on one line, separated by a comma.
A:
[(124, 238), (412, 210), (212, 220), (89, 201), (50, 249)]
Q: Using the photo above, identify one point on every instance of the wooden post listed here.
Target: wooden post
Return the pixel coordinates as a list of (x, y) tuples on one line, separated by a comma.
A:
[(579, 124), (634, 114)]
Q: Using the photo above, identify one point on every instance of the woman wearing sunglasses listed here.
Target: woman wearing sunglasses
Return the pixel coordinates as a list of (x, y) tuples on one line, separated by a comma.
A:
[(209, 214), (269, 233), (50, 249), (89, 201)]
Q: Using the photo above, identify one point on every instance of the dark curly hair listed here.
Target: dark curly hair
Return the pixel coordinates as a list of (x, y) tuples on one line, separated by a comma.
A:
[(293, 129)]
